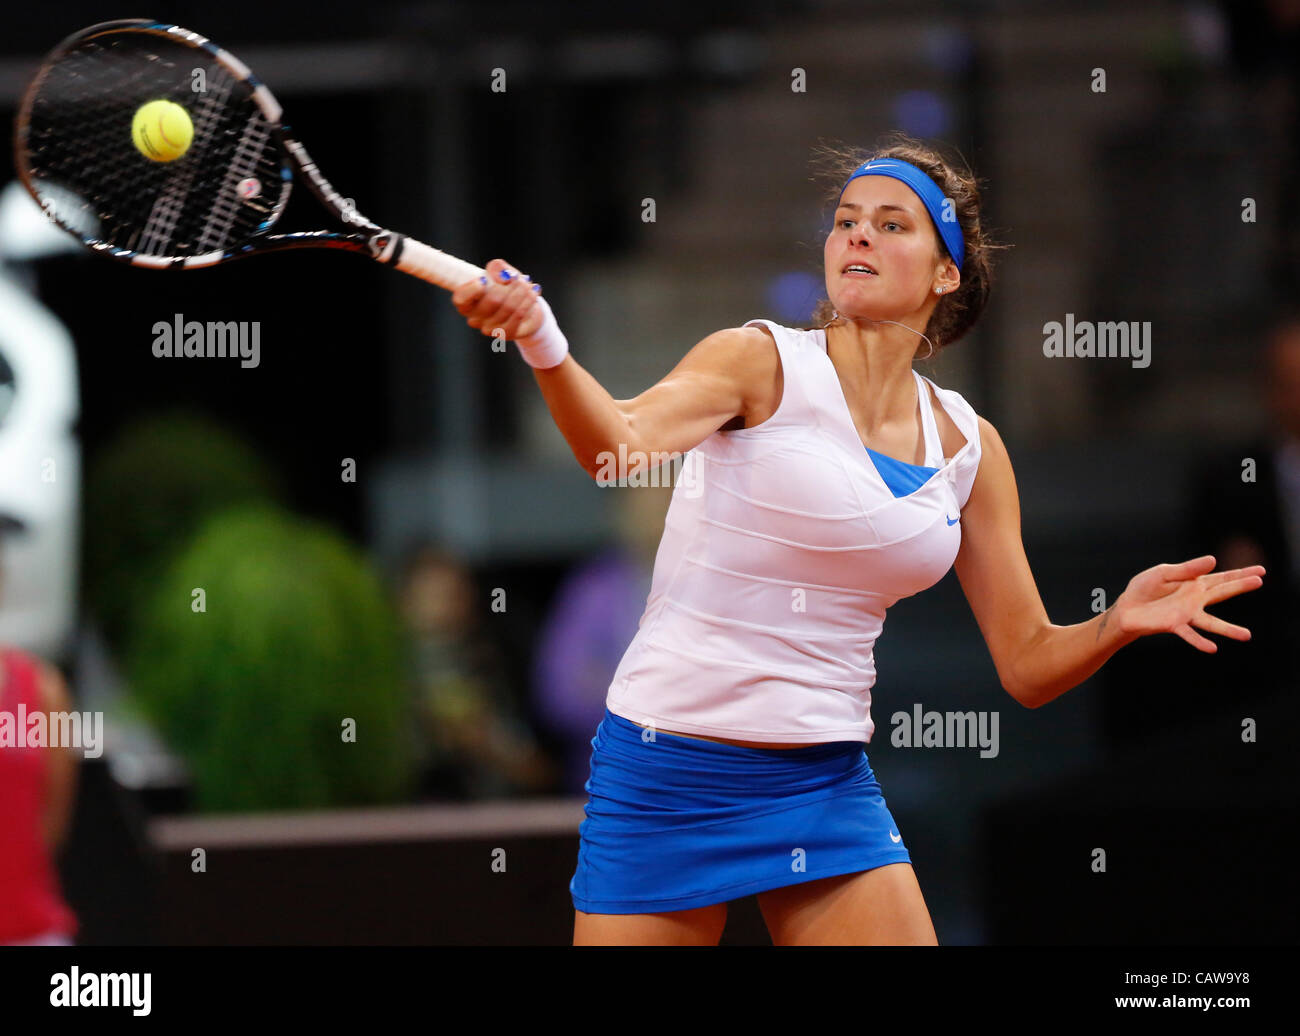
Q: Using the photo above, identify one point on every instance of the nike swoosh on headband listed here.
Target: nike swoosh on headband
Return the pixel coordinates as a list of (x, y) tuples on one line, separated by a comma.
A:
[(928, 191)]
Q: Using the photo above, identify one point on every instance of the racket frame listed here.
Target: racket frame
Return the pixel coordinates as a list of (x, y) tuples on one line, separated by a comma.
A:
[(385, 246)]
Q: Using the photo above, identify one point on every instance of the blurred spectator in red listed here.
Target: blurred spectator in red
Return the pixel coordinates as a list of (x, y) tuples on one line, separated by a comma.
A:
[(37, 789), (478, 744), (595, 615)]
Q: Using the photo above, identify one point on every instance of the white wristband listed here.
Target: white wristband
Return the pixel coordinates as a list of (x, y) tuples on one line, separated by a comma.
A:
[(547, 346)]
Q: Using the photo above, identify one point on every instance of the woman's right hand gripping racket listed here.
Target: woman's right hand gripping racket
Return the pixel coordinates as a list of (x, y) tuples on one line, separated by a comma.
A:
[(155, 147)]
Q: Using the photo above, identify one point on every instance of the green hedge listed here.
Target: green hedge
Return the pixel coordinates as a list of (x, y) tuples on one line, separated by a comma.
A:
[(146, 495), (297, 635)]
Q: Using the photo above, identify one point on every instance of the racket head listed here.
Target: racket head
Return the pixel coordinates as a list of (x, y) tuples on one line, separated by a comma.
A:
[(75, 155)]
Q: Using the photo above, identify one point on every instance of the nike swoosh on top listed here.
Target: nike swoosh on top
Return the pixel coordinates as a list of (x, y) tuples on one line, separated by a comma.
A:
[(953, 521)]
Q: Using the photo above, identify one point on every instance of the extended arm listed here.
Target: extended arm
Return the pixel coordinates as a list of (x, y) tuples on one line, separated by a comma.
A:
[(713, 383), (1036, 660)]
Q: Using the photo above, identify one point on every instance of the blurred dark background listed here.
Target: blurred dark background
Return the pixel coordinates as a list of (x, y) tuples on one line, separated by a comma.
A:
[(514, 584)]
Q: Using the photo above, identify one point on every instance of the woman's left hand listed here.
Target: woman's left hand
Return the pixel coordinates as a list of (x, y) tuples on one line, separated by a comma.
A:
[(1173, 598)]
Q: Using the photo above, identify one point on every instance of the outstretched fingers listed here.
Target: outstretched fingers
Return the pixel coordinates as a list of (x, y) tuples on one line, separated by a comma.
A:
[(1198, 586), (1213, 624), (1195, 639), (1233, 573), (1230, 584), (1188, 569)]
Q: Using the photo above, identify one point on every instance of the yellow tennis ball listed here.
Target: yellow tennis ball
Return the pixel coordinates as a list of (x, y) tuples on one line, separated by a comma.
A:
[(162, 131)]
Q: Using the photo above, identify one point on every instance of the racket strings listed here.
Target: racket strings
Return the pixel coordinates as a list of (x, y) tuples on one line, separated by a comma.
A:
[(226, 206), (158, 232), (82, 164)]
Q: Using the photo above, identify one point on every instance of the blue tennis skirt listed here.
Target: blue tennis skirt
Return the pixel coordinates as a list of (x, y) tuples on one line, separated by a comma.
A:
[(675, 823)]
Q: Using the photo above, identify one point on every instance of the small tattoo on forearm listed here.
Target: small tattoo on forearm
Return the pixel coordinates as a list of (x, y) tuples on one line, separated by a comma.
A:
[(1105, 617)]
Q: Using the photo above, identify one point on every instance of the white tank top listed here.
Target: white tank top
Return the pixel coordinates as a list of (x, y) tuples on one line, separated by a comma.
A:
[(782, 548)]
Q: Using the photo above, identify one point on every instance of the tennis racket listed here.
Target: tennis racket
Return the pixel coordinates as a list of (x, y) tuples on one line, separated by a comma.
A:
[(218, 201)]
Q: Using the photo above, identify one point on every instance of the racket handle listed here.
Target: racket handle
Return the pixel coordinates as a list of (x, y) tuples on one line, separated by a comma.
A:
[(546, 347), (429, 264)]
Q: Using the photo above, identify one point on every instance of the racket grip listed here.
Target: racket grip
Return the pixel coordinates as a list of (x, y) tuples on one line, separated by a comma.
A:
[(429, 264)]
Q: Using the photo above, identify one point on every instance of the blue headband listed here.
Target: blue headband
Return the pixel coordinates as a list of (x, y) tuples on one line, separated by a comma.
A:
[(927, 190)]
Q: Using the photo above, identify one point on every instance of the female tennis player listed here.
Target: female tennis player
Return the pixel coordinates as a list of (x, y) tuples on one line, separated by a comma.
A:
[(828, 480)]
